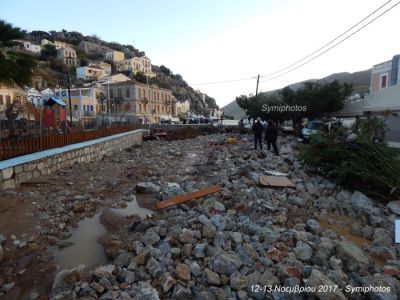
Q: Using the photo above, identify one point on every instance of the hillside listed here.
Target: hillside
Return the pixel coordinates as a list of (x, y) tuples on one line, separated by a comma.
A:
[(360, 81), (54, 71)]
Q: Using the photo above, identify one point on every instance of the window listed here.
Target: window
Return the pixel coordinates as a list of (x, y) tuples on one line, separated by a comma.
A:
[(75, 107), (91, 107), (383, 81), (111, 93), (1, 100), (128, 93), (8, 100)]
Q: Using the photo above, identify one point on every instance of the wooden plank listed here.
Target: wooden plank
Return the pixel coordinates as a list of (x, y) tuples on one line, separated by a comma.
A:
[(187, 197)]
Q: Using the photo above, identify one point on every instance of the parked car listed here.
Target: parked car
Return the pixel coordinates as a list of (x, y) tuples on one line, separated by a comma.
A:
[(311, 128)]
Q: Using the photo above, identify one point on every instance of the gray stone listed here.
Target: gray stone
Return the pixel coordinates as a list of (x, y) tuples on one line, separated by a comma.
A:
[(155, 268), (195, 269), (353, 256), (319, 279), (104, 271), (147, 188), (313, 225), (267, 278), (236, 237), (296, 201), (7, 173), (394, 207), (218, 221), (225, 263), (123, 259), (362, 203), (199, 250), (238, 281), (65, 280), (388, 283), (212, 277), (303, 251), (150, 238)]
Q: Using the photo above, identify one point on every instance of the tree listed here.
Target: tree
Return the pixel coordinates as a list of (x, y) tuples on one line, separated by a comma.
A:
[(48, 51), (15, 67)]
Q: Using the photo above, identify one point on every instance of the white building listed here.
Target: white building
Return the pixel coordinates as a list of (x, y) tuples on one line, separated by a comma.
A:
[(135, 65), (90, 72), (28, 46)]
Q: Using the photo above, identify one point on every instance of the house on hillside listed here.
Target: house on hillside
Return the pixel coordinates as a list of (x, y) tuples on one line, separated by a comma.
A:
[(93, 48), (68, 56), (10, 93), (90, 72), (28, 46), (114, 55), (135, 65)]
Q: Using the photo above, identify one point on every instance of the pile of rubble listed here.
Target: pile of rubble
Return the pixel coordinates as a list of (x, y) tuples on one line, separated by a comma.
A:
[(235, 243), (232, 244)]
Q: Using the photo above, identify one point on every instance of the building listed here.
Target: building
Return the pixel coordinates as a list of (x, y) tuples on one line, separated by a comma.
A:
[(85, 102), (68, 56), (114, 78), (56, 44), (28, 46), (9, 94), (106, 67), (181, 108), (385, 74), (215, 113), (114, 55), (34, 96), (146, 103), (135, 65), (93, 48), (90, 72)]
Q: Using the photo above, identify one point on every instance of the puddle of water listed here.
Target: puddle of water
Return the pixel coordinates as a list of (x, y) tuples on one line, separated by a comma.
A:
[(85, 249)]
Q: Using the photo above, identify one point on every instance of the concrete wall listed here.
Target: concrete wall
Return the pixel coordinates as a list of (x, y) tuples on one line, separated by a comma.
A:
[(17, 170)]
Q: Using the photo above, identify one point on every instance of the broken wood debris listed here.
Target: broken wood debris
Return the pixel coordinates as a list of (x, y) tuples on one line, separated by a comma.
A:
[(187, 197)]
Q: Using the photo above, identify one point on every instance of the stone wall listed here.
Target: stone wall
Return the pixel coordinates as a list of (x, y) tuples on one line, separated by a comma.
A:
[(20, 169)]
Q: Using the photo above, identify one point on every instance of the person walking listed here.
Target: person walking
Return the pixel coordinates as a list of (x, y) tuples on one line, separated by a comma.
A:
[(271, 135), (257, 131)]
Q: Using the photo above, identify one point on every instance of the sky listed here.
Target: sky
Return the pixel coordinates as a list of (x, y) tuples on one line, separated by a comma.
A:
[(211, 41)]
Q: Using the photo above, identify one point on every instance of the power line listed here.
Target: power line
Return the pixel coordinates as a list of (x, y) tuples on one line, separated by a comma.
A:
[(327, 44), (341, 41)]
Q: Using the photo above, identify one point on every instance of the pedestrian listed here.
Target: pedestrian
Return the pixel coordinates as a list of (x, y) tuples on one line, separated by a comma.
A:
[(271, 135), (257, 131)]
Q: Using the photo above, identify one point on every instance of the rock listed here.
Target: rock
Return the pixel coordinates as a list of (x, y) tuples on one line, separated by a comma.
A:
[(394, 207), (123, 259), (303, 251), (389, 286), (150, 238), (180, 293), (112, 183), (218, 221), (225, 263), (199, 250), (212, 277), (319, 279), (155, 268), (187, 250), (104, 271), (65, 280), (183, 272), (353, 256), (142, 258), (275, 254), (168, 283), (208, 232), (147, 188), (1, 253), (313, 225), (145, 291), (296, 201), (362, 203), (187, 236), (267, 278), (238, 281), (195, 269), (236, 237)]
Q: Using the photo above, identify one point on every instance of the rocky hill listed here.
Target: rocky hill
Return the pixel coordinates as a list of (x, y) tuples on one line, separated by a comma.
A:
[(360, 81), (54, 71)]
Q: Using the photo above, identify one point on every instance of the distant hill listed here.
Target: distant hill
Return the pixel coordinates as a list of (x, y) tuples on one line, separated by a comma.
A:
[(360, 81)]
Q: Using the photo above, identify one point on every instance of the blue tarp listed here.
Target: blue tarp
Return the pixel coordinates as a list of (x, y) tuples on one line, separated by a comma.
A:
[(55, 100)]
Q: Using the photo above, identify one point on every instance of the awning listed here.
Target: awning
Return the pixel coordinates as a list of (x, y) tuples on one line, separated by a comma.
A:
[(54, 100)]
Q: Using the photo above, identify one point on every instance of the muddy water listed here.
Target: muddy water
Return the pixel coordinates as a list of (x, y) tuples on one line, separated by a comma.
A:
[(85, 248)]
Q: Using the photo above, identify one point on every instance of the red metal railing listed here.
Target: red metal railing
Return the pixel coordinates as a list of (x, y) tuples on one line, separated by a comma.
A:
[(22, 146)]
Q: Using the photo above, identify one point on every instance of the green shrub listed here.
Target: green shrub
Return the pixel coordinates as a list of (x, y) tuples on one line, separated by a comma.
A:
[(372, 168)]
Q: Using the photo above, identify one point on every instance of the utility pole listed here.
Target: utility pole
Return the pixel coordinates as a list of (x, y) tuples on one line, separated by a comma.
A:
[(69, 98), (258, 80)]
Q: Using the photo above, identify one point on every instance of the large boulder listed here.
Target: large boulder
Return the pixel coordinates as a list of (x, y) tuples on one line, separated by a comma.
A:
[(225, 262), (394, 207), (362, 203), (147, 188), (353, 256), (318, 279)]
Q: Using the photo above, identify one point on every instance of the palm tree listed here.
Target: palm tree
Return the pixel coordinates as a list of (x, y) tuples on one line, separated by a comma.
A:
[(15, 67)]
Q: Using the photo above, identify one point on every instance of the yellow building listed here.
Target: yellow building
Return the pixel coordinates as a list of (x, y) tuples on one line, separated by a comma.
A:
[(114, 55), (135, 65), (85, 102), (9, 94), (181, 108), (147, 103)]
